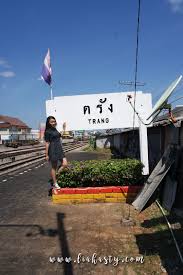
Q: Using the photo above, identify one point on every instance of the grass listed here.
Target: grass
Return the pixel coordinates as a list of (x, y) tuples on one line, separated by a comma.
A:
[(149, 237), (89, 148), (157, 244)]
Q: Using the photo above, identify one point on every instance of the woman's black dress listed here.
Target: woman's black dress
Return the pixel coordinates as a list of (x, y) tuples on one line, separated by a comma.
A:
[(55, 150)]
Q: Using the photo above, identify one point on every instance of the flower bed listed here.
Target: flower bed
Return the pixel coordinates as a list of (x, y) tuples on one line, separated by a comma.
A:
[(95, 194), (117, 180)]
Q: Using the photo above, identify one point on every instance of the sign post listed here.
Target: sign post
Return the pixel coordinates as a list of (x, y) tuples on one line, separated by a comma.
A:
[(144, 147)]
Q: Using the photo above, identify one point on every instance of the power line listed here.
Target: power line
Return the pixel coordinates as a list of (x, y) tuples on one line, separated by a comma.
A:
[(136, 83), (136, 58)]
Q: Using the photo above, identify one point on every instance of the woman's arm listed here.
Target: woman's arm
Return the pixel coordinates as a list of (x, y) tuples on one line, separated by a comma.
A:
[(64, 127), (47, 139), (46, 149), (61, 132)]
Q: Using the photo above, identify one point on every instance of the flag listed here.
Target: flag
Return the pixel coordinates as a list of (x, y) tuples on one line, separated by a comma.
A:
[(46, 69)]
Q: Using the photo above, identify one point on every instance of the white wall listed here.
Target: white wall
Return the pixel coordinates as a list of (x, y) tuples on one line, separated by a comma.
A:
[(101, 142)]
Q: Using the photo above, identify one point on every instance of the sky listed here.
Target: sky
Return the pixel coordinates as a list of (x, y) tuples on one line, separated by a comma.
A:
[(92, 45)]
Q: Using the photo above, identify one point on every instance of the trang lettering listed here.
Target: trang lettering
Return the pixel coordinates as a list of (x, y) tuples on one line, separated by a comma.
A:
[(98, 120), (86, 108)]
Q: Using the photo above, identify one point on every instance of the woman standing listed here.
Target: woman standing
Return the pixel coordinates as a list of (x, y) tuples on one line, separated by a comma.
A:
[(54, 149)]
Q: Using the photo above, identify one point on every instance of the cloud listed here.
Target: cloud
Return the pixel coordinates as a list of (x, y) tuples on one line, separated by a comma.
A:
[(40, 78), (7, 74), (176, 5), (4, 63)]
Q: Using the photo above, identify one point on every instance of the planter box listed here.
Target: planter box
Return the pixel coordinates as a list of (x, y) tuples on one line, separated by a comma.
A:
[(95, 194)]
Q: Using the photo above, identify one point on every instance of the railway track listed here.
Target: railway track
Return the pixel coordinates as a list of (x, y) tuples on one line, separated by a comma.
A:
[(14, 159), (16, 151)]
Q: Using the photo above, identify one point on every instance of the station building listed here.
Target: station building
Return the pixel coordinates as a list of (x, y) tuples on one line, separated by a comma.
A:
[(11, 126)]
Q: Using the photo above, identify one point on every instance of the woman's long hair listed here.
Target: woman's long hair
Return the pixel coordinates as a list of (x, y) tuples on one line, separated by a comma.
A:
[(48, 125)]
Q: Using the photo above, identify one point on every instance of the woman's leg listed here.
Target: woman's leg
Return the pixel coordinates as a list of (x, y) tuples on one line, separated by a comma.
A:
[(61, 167), (53, 171)]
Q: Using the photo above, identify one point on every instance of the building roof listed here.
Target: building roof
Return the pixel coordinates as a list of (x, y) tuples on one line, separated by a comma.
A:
[(164, 119), (7, 121)]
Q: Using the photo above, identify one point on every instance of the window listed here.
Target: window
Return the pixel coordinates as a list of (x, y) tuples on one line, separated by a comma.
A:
[(3, 129)]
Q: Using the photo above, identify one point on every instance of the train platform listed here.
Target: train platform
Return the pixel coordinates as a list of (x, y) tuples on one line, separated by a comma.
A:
[(38, 237)]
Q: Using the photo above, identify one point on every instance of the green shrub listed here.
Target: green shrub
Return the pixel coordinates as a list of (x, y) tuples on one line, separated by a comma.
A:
[(101, 173)]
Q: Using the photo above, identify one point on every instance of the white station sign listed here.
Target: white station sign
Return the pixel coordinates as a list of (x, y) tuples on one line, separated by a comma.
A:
[(99, 111)]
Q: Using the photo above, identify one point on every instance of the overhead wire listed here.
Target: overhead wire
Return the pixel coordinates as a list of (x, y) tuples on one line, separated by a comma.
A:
[(136, 57), (136, 72), (176, 99)]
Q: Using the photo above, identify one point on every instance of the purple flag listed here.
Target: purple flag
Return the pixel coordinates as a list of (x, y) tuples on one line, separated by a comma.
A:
[(46, 69)]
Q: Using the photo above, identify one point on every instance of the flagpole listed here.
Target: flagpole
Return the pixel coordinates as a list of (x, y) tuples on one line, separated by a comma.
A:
[(51, 92)]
